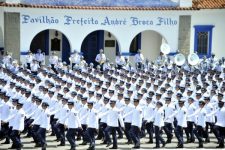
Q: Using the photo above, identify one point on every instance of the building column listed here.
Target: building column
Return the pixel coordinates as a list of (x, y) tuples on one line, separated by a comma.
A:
[(184, 35)]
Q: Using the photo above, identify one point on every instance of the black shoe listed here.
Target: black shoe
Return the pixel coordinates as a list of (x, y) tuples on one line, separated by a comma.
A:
[(52, 134), (98, 138), (163, 144), (6, 142), (156, 147), (192, 141), (83, 143), (129, 142), (104, 142), (108, 144), (136, 147), (119, 137), (220, 146), (61, 144), (91, 148), (78, 138), (200, 146), (168, 141), (72, 148), (149, 142), (180, 146), (207, 140), (57, 140), (37, 145), (114, 147)]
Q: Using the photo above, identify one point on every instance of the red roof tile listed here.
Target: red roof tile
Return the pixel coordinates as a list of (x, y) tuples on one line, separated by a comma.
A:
[(197, 4)]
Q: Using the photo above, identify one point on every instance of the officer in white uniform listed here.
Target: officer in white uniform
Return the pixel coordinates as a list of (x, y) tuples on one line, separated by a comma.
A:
[(34, 66), (159, 123), (136, 123), (53, 60), (74, 59), (181, 116), (120, 61), (40, 57), (92, 125), (17, 126), (219, 128), (113, 115), (101, 58), (72, 123), (29, 60), (139, 59)]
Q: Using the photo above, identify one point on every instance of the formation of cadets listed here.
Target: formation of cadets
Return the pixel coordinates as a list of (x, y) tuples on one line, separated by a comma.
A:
[(89, 104)]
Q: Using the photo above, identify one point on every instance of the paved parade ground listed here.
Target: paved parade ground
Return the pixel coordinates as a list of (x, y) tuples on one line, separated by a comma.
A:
[(52, 145)]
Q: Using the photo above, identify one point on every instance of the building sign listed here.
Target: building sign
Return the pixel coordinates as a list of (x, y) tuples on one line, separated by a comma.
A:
[(68, 20)]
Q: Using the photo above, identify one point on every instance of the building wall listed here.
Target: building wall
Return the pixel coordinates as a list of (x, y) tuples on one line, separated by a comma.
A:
[(150, 44), (12, 34), (1, 28), (110, 52), (211, 17)]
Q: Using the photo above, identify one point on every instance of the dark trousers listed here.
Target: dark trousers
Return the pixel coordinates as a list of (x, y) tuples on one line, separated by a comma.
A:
[(158, 136), (41, 134), (119, 130), (220, 134), (27, 127), (53, 122), (199, 133), (90, 136), (34, 133), (111, 130), (60, 132), (127, 130), (4, 131), (82, 132), (135, 135), (15, 137), (189, 131), (179, 135), (70, 135), (73, 64), (102, 127), (53, 68), (209, 125), (28, 66), (150, 130), (168, 128)]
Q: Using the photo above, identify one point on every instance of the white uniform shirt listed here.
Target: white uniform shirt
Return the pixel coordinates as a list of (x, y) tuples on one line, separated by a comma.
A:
[(29, 58), (53, 60), (83, 112), (220, 115), (45, 119), (127, 113), (182, 117), (5, 110), (113, 117), (100, 58), (92, 119), (137, 116), (149, 111), (75, 58), (191, 110), (73, 120), (18, 120), (120, 60), (159, 117), (169, 110), (138, 58)]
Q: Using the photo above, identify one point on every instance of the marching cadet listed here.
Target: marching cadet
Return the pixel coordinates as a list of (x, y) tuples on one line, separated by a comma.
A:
[(138, 59), (29, 59), (113, 115), (127, 115), (74, 59), (34, 66), (136, 123), (159, 123), (103, 119), (60, 129), (120, 61), (100, 58), (191, 108), (44, 126), (40, 57), (210, 120), (17, 126), (181, 116), (199, 130), (53, 60), (92, 125), (219, 128), (169, 109), (83, 114), (72, 123), (5, 110), (149, 110)]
